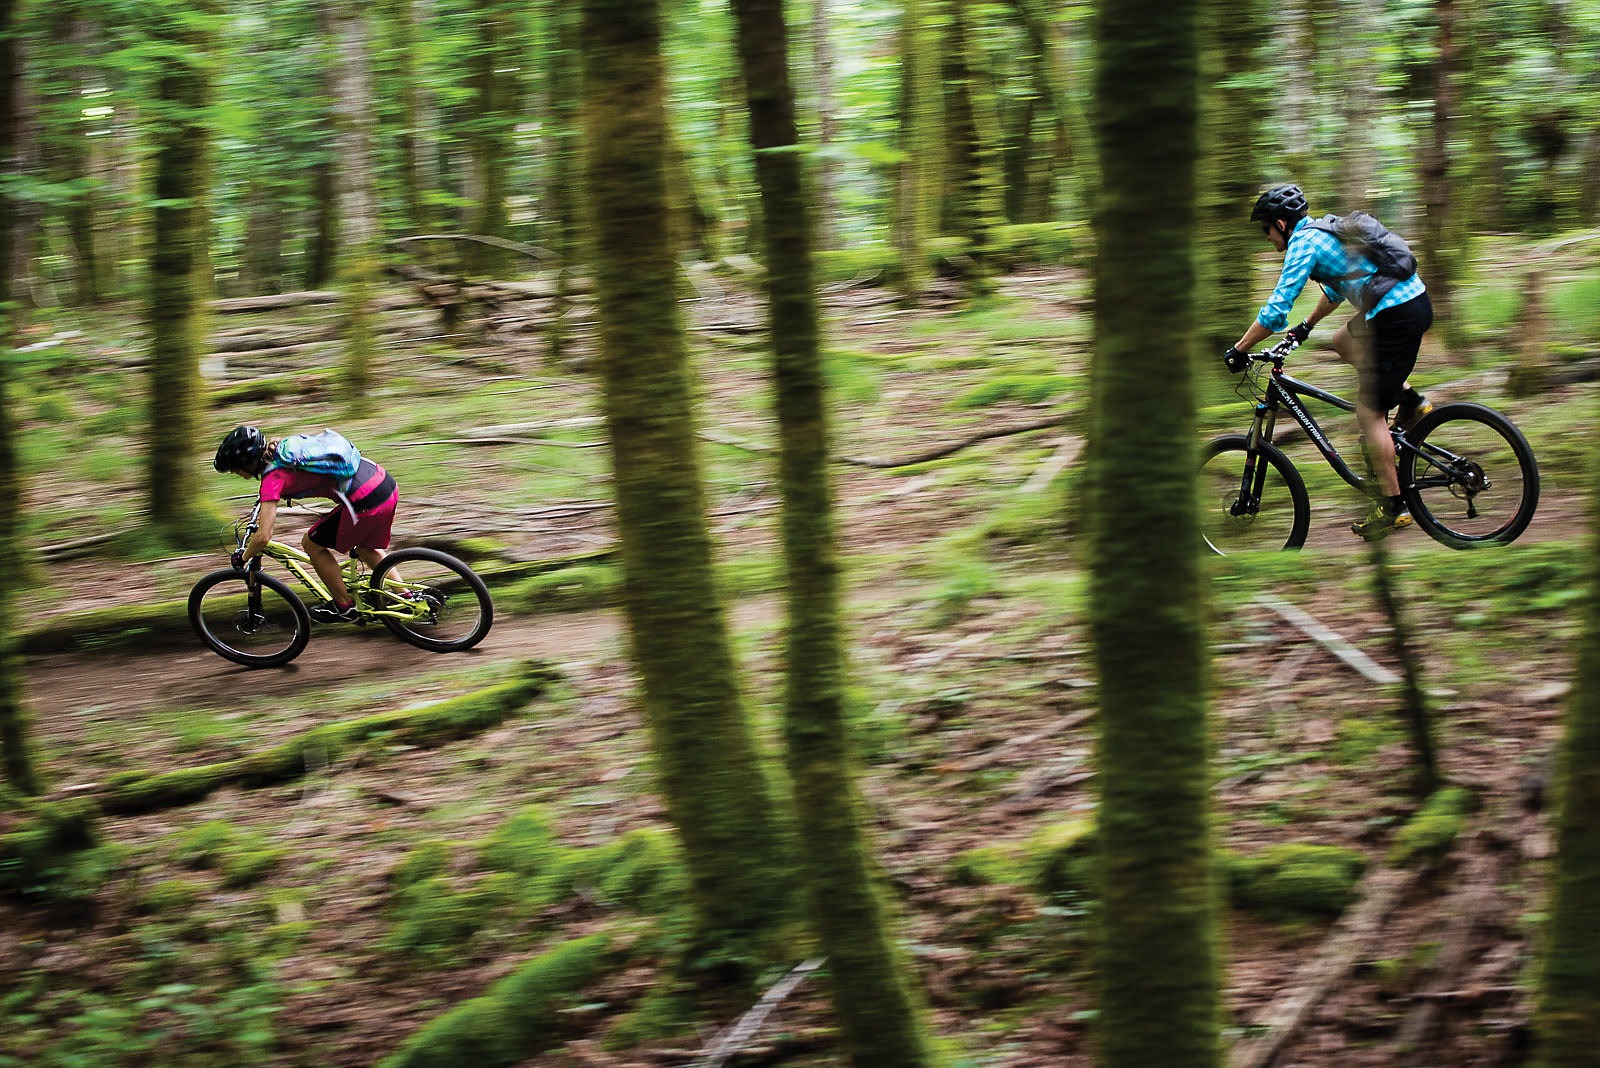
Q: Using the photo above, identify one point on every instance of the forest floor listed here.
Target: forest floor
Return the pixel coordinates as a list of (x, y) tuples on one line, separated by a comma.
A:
[(974, 703)]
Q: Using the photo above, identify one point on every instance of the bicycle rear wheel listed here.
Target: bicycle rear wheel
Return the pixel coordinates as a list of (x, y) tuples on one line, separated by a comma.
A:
[(438, 603), (1470, 478), (1266, 509), (256, 621)]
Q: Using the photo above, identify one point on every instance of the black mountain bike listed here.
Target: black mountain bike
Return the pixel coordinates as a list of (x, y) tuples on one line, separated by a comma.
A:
[(1466, 471)]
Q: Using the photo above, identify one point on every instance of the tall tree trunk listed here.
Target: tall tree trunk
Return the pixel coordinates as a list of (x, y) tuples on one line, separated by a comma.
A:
[(1440, 237), (494, 107), (358, 274), (18, 763), (1353, 30), (1233, 120), (919, 190), (180, 264), (975, 204), (413, 138), (70, 145), (1162, 1008), (1567, 1022), (872, 996), (322, 247), (712, 778), (564, 195), (827, 171), (1055, 152)]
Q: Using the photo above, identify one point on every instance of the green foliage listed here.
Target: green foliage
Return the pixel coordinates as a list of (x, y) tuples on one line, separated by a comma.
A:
[(524, 844)]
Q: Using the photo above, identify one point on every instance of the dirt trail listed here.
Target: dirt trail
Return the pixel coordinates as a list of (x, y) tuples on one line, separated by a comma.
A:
[(189, 675)]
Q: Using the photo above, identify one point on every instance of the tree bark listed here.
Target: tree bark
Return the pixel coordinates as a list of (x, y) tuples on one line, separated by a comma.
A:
[(1233, 119), (412, 139), (18, 762), (711, 772), (872, 995), (919, 190), (180, 265), (494, 107), (975, 193), (564, 193), (359, 265), (1147, 588), (1567, 1022), (1440, 239)]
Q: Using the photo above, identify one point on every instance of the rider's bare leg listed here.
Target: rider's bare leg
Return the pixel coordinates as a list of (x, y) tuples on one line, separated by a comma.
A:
[(1373, 424)]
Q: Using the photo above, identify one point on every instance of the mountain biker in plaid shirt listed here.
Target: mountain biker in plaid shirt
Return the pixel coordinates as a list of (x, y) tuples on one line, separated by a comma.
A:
[(1381, 343)]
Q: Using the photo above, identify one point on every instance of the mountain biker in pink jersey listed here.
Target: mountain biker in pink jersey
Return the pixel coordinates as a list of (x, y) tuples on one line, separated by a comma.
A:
[(360, 524)]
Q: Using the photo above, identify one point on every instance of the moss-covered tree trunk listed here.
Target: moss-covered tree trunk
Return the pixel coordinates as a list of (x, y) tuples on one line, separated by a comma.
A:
[(1157, 967), (1052, 154), (1567, 1023), (1233, 117), (495, 64), (412, 139), (711, 772), (1441, 238), (919, 189), (359, 267), (564, 193), (180, 265), (975, 192), (872, 994), (17, 761), (68, 143)]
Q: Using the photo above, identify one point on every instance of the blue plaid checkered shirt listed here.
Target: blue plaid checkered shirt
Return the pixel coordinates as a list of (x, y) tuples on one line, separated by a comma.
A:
[(1318, 256)]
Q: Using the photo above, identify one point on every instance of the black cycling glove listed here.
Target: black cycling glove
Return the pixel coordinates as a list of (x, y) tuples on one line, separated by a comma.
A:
[(1299, 333), (1236, 361), (237, 560)]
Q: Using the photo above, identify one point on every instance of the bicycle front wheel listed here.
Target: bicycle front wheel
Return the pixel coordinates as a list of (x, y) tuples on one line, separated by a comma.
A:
[(1470, 478), (1250, 502), (255, 621), (431, 600)]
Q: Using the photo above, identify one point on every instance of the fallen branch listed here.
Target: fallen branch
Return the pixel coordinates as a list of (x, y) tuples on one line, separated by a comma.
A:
[(742, 1030), (1381, 891), (1318, 632)]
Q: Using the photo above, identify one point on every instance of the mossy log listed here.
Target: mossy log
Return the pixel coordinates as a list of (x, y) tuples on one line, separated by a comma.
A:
[(515, 1019), (434, 724), (40, 839), (113, 625)]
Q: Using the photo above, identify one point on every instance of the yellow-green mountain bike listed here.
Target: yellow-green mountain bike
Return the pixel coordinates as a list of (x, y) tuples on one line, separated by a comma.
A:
[(251, 618)]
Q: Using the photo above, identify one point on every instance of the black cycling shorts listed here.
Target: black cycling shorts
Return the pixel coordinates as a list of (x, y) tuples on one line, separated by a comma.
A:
[(1392, 339)]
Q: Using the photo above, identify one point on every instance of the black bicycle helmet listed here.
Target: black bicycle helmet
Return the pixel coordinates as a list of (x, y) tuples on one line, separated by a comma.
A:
[(241, 450), (1280, 202)]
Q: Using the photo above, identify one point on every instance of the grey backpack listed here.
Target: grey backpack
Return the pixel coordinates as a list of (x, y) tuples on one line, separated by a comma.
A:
[(1365, 235)]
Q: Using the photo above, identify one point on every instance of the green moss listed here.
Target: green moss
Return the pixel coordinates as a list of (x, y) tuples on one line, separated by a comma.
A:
[(240, 857), (984, 866), (1295, 880), (429, 725), (515, 1019), (424, 861), (1429, 834), (433, 919), (56, 856), (583, 586), (1059, 860), (1023, 389), (523, 844), (170, 896), (245, 867)]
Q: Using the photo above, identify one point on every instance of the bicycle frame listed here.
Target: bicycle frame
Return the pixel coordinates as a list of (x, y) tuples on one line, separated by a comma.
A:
[(1284, 391), (298, 564)]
